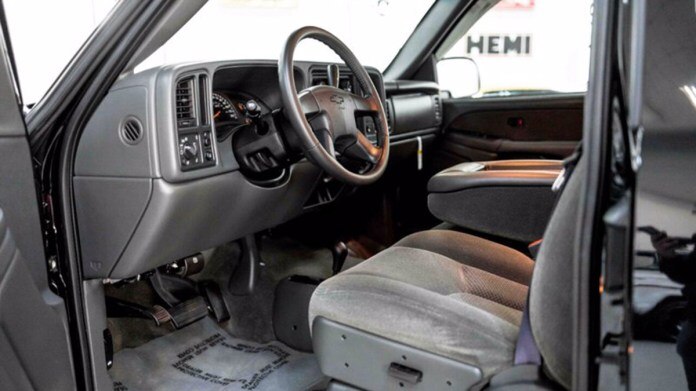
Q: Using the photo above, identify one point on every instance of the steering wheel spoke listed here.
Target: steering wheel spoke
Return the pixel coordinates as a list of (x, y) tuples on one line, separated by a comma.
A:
[(359, 147), (364, 105), (308, 103), (327, 141)]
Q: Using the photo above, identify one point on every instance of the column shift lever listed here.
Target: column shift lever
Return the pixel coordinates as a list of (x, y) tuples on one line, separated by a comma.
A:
[(333, 74), (340, 253)]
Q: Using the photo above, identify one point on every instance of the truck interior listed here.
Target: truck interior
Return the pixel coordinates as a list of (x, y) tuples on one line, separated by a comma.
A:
[(277, 224), (285, 223)]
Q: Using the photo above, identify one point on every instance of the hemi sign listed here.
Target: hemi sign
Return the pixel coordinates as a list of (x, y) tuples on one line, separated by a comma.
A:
[(505, 45)]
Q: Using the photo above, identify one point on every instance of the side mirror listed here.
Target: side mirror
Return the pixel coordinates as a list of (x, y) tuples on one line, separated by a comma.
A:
[(459, 76)]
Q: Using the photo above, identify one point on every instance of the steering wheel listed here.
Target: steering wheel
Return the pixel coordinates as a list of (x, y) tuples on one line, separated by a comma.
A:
[(325, 116)]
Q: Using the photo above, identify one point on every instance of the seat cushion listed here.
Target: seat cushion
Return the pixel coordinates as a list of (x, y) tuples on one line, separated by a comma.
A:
[(474, 251), (428, 301)]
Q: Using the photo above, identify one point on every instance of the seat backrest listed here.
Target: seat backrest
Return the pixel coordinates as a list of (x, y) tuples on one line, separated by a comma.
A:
[(551, 290)]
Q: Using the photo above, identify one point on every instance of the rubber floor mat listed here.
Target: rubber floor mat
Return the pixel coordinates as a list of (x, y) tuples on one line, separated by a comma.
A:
[(203, 356)]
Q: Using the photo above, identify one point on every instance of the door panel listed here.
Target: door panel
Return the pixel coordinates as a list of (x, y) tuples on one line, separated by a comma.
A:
[(34, 347), (522, 127)]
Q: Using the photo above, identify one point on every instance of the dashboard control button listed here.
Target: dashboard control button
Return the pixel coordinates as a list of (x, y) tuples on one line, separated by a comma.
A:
[(196, 150)]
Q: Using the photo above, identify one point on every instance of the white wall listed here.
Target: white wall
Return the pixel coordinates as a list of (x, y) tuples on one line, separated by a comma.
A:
[(257, 29), (559, 53), (46, 34)]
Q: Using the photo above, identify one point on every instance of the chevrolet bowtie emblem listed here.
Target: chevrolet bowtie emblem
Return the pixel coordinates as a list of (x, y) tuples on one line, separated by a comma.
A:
[(336, 99)]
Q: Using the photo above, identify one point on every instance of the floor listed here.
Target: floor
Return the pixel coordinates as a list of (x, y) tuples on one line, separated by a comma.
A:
[(251, 316), (203, 356), (241, 353), (656, 366)]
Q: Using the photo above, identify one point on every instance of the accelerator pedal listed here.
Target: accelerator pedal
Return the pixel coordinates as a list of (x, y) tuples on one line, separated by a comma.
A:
[(216, 301)]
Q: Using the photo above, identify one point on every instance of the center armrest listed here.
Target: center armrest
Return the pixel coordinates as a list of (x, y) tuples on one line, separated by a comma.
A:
[(509, 198), (496, 173)]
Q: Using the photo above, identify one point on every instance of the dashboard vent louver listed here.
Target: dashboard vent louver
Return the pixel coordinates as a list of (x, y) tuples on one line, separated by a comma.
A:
[(185, 114), (131, 131), (319, 76)]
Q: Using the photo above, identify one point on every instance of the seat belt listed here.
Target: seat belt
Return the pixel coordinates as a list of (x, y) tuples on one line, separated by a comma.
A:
[(526, 349)]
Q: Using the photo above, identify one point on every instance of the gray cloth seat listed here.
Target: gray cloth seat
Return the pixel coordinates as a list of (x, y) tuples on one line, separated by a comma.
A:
[(440, 288), (459, 297), (474, 251)]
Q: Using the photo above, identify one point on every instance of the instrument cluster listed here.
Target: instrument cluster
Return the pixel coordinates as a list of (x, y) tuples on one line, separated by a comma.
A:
[(233, 111)]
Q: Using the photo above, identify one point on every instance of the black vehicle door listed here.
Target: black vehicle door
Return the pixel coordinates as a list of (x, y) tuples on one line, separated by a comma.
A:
[(525, 127), (34, 343)]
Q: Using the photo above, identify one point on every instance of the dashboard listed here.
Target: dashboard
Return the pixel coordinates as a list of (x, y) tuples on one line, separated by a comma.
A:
[(182, 158)]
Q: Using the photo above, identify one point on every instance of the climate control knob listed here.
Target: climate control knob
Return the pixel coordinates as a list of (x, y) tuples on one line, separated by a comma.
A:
[(189, 150)]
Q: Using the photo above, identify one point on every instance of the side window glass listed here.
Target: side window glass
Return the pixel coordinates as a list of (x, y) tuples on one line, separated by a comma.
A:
[(520, 47)]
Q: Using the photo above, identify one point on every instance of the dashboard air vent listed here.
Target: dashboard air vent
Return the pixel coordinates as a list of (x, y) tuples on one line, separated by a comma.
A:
[(319, 76), (185, 114), (131, 131), (203, 99)]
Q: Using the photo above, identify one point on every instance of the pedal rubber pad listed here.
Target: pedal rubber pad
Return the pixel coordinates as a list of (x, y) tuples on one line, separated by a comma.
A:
[(188, 312)]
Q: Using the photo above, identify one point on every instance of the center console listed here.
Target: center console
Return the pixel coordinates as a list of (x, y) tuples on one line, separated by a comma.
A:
[(512, 199)]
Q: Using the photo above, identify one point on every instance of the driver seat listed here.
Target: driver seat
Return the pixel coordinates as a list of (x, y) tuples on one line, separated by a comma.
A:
[(442, 310)]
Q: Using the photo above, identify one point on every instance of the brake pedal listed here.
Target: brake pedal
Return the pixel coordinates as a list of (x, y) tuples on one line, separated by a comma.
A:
[(187, 312)]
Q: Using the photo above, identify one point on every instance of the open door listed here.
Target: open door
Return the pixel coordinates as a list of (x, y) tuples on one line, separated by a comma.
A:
[(34, 341), (515, 75)]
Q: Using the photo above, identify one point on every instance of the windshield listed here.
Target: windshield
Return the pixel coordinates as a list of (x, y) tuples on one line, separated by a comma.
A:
[(374, 30)]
